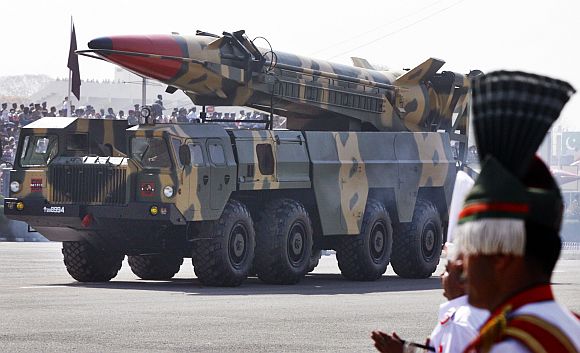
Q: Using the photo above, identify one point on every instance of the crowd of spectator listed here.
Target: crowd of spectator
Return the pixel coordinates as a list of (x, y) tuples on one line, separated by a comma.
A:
[(15, 116)]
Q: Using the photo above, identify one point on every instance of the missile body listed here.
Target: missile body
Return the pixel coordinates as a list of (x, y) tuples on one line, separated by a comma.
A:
[(313, 94)]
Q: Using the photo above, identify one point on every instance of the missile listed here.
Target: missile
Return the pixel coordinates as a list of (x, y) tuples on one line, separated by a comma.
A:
[(313, 94)]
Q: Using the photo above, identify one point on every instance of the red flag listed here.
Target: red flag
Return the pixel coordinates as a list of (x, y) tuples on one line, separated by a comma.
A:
[(73, 65)]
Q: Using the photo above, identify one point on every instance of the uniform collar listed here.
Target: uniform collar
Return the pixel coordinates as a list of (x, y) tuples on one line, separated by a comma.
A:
[(493, 329), (537, 293)]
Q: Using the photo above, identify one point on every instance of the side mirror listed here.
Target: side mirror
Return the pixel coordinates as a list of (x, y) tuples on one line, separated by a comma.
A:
[(184, 155), (146, 114)]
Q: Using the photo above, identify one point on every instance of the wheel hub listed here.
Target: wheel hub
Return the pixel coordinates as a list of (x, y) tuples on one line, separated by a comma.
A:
[(296, 240), (429, 241), (297, 243), (237, 246), (377, 241)]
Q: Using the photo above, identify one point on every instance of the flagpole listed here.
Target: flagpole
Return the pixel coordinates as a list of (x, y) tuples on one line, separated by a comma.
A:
[(143, 92), (68, 105)]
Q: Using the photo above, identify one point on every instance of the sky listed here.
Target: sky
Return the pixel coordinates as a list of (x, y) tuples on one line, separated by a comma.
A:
[(535, 36)]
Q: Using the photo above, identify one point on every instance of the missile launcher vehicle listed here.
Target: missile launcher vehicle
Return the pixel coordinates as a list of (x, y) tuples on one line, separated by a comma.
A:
[(365, 167)]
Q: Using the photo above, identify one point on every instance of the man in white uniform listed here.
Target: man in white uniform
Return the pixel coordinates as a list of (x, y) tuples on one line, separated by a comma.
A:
[(458, 322)]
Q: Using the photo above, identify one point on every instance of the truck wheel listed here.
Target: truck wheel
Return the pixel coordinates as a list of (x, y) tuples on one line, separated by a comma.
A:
[(365, 257), (417, 245), (224, 257), (314, 259), (85, 263), (284, 242), (159, 266)]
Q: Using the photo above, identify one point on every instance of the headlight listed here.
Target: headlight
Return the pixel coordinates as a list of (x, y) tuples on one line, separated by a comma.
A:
[(168, 191), (14, 186)]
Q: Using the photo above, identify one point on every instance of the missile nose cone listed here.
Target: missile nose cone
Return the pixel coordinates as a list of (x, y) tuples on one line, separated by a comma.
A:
[(101, 43), (154, 56)]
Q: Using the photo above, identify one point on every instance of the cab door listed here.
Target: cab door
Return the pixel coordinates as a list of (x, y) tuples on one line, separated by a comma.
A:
[(198, 179), (222, 173)]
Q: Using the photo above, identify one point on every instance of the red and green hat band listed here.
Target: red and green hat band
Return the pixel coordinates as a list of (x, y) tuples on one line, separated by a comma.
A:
[(493, 210)]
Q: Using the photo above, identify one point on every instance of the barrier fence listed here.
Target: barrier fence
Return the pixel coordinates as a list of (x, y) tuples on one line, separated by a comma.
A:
[(4, 181), (570, 246)]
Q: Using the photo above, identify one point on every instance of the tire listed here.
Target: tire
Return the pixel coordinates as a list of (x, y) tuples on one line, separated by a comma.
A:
[(417, 245), (365, 257), (224, 258), (284, 242), (314, 259), (252, 272), (155, 267), (85, 263)]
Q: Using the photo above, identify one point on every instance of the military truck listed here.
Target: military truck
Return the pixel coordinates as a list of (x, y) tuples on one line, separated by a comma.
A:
[(366, 168)]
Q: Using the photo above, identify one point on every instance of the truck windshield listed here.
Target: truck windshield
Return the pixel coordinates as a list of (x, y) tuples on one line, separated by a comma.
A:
[(38, 150), (152, 152)]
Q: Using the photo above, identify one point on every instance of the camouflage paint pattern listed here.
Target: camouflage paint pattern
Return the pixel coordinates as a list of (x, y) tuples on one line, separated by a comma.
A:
[(292, 164), (289, 160), (38, 189), (353, 182), (103, 139), (250, 174), (100, 135), (192, 197), (313, 94), (347, 165)]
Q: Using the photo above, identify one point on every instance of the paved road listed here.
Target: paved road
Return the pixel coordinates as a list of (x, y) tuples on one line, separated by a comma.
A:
[(43, 309)]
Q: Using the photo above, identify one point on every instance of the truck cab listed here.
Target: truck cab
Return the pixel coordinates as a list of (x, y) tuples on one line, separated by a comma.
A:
[(190, 166)]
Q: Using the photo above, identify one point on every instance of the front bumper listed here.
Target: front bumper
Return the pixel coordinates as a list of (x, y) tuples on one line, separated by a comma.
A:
[(40, 213)]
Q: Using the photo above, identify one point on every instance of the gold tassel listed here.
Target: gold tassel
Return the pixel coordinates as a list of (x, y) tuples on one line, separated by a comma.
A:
[(493, 330)]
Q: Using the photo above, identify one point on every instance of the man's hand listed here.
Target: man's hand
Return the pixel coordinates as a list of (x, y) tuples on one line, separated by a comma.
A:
[(386, 343)]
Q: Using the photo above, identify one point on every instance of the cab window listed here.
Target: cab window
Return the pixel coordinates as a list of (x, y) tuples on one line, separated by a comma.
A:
[(77, 142), (265, 158), (38, 150), (152, 152), (216, 154), (196, 154)]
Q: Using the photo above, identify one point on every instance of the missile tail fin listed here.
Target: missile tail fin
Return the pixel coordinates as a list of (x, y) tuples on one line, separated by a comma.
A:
[(420, 73), (171, 89), (362, 63)]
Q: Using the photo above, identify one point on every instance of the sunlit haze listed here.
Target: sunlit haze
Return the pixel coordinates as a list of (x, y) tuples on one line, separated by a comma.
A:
[(536, 36)]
